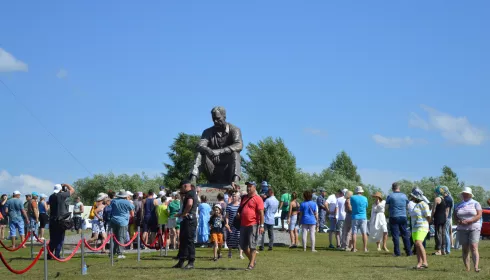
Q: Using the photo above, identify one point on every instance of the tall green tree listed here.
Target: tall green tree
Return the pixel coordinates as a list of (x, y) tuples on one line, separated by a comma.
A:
[(271, 160), (343, 164), (182, 154)]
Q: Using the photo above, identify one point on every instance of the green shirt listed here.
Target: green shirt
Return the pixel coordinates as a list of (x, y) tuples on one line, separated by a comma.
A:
[(286, 200), (173, 208)]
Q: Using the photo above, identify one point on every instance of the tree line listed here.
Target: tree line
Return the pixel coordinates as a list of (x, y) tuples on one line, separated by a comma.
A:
[(267, 160)]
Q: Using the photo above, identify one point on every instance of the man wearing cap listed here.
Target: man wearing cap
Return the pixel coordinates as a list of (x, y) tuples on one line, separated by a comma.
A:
[(252, 222), (188, 225), (359, 217), (264, 188), (320, 201), (121, 211), (397, 203), (15, 211), (218, 151), (59, 208)]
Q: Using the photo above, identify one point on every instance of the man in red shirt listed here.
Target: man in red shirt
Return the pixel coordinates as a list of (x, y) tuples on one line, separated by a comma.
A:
[(252, 222)]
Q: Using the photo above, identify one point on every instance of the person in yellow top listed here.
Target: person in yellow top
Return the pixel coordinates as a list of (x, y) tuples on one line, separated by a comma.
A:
[(162, 217)]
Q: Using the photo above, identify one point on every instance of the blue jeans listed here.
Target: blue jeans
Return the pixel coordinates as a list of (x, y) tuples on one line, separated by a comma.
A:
[(448, 236), (33, 225), (398, 227)]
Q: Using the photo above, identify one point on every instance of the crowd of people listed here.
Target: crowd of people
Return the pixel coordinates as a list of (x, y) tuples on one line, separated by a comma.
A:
[(240, 220)]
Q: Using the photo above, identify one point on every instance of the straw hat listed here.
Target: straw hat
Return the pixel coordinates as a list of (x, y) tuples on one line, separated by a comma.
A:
[(378, 195)]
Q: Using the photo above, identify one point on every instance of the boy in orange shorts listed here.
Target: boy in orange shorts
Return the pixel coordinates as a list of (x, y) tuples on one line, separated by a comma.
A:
[(217, 224)]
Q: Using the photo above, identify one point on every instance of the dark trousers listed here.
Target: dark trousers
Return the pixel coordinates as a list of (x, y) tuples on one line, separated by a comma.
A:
[(270, 232), (187, 249), (440, 236), (56, 238), (398, 228)]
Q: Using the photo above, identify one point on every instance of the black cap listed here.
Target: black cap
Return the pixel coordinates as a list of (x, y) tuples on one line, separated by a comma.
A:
[(185, 182)]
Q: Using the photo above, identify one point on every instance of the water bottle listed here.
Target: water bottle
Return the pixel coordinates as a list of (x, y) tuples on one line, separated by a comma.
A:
[(84, 269)]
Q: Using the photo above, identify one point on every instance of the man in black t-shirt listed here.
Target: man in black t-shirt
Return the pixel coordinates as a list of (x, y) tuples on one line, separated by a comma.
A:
[(58, 208), (448, 199), (188, 225)]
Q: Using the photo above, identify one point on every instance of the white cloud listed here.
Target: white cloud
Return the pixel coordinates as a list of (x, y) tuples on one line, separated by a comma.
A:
[(396, 142), (457, 130), (316, 131), (8, 63), (23, 183), (62, 73)]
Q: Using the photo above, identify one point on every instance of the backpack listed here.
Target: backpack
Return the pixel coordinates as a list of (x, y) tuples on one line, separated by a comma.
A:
[(91, 216)]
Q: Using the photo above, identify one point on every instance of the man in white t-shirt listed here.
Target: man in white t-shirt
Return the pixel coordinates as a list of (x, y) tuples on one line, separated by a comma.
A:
[(340, 215), (331, 204)]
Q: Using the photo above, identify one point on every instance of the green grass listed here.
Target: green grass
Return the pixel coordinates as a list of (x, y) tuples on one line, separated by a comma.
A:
[(281, 263)]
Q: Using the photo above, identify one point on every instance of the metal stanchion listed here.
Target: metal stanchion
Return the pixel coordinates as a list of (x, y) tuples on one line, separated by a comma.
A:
[(139, 242), (166, 242), (84, 267), (45, 253), (32, 243), (111, 247)]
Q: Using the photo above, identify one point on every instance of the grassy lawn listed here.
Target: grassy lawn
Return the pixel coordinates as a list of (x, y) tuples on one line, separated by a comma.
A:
[(278, 264)]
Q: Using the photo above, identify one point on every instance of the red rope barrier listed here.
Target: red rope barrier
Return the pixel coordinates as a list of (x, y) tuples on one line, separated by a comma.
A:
[(152, 245), (129, 242), (37, 239), (67, 258), (20, 245), (25, 269), (101, 246)]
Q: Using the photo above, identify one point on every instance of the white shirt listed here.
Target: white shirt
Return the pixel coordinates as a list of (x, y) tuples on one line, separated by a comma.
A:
[(411, 206), (341, 208), (332, 204)]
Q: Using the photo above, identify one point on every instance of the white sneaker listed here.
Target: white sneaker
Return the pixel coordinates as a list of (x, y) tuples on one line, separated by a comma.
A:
[(121, 257)]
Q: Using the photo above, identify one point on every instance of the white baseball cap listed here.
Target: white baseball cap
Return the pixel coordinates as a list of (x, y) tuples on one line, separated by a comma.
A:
[(16, 193), (57, 188), (129, 193)]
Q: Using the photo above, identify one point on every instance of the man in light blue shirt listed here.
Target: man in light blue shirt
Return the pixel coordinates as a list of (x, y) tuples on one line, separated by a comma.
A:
[(271, 206), (121, 211), (397, 203), (359, 205)]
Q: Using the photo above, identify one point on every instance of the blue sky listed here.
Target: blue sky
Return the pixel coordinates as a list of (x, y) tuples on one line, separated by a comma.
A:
[(401, 86)]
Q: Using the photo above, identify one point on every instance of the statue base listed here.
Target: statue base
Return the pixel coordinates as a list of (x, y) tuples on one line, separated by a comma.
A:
[(211, 191)]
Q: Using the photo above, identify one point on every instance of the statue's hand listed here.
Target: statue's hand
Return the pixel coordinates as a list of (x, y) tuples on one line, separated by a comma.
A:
[(215, 153), (215, 159)]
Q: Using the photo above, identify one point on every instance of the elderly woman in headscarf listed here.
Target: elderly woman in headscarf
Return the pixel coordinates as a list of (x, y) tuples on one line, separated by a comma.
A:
[(420, 219), (439, 217), (448, 199), (468, 214)]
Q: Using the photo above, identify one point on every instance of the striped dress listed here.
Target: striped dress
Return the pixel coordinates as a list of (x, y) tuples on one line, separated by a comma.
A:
[(233, 238)]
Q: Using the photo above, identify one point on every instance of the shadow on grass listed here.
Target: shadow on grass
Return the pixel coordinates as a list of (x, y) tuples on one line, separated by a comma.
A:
[(408, 268)]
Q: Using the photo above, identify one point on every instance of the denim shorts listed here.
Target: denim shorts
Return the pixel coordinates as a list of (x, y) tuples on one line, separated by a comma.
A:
[(359, 225), (19, 225)]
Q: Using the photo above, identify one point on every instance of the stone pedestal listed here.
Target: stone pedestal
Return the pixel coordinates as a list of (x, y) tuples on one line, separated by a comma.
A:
[(211, 191)]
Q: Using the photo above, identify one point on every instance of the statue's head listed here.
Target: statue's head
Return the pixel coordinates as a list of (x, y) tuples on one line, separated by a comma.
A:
[(219, 116)]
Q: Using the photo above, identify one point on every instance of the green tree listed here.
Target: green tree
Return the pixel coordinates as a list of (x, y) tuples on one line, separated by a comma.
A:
[(271, 160), (88, 188), (182, 154), (343, 164)]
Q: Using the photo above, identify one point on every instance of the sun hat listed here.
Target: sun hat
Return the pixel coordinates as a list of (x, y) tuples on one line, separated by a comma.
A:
[(101, 196), (467, 190), (378, 194), (359, 189), (16, 193), (122, 194), (344, 191), (129, 193), (419, 194), (57, 188)]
